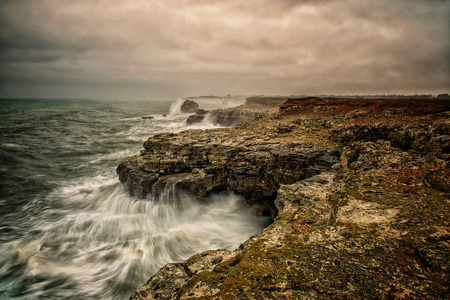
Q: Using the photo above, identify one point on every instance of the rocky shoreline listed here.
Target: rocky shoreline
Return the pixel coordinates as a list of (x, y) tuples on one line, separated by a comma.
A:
[(232, 116), (358, 189)]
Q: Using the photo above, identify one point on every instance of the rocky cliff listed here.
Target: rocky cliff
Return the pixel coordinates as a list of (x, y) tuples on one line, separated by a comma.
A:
[(359, 192), (202, 161)]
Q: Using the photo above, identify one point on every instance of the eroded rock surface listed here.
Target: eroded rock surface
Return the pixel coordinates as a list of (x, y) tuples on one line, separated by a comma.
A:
[(201, 161), (374, 226)]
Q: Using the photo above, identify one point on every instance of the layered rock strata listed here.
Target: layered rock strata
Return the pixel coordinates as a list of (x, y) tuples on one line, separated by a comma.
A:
[(202, 161), (375, 226)]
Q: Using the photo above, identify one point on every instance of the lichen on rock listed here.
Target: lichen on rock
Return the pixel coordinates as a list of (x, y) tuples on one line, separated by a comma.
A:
[(373, 224)]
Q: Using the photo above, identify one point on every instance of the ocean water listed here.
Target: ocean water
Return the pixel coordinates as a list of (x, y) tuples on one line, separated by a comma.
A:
[(68, 229)]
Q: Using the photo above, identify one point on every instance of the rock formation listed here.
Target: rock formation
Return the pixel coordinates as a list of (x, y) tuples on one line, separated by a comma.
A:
[(226, 117), (264, 100), (372, 225), (201, 161), (253, 109), (189, 106)]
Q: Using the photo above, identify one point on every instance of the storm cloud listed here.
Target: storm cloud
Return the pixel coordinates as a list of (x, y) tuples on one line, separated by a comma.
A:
[(145, 49)]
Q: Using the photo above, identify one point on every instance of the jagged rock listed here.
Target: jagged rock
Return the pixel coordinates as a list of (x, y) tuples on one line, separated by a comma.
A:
[(165, 284), (199, 162), (198, 118), (374, 225), (313, 190), (211, 271), (233, 116), (189, 106), (227, 117)]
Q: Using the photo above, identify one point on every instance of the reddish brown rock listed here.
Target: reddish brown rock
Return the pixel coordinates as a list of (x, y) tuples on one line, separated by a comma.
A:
[(375, 226)]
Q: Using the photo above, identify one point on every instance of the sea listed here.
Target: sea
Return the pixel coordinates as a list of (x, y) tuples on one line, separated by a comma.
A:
[(68, 228)]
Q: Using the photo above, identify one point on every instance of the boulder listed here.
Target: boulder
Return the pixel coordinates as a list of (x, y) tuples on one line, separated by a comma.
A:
[(197, 118), (189, 106)]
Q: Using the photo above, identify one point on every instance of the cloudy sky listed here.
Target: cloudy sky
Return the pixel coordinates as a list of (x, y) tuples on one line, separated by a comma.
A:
[(148, 49)]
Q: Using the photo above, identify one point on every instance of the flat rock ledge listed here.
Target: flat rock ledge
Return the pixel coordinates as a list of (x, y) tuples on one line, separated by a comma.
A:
[(373, 224)]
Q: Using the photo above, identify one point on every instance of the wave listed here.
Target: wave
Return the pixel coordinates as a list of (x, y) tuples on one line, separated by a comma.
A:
[(69, 229), (107, 157), (106, 240), (175, 108), (10, 145)]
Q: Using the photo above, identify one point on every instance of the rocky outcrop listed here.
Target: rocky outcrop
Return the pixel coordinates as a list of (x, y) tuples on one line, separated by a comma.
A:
[(255, 107), (197, 118), (189, 106), (230, 116), (199, 162), (266, 101), (374, 226)]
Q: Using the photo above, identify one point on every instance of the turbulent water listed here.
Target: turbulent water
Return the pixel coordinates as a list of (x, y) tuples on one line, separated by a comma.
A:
[(68, 229)]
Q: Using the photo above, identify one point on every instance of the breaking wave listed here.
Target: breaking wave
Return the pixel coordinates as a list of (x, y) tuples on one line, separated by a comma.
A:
[(68, 228)]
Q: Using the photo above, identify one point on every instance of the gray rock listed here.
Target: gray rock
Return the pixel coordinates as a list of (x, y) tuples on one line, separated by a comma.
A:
[(223, 160), (226, 117), (195, 119), (373, 225), (189, 106)]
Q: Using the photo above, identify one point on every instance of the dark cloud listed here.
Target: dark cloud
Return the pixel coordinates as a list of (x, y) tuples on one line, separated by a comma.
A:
[(175, 48)]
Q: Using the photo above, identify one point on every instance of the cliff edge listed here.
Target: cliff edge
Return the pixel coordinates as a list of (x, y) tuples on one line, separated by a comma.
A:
[(359, 192)]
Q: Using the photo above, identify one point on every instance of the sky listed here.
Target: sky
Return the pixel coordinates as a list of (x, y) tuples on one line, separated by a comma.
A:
[(144, 49)]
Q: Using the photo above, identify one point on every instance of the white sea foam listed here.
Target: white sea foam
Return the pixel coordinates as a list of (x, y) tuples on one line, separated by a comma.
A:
[(113, 156), (175, 109), (84, 236), (10, 145), (118, 238)]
